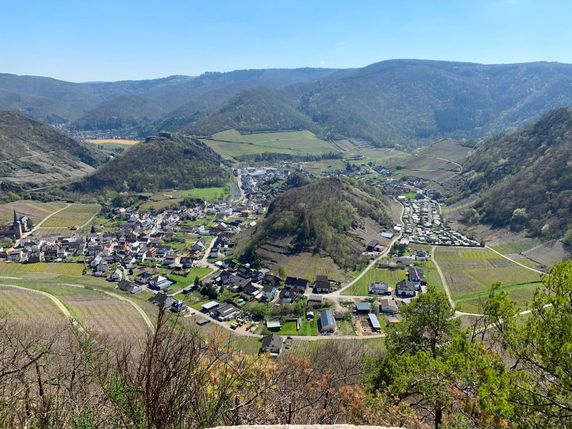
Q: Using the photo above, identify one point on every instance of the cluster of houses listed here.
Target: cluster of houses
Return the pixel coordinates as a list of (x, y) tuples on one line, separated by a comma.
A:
[(423, 224), (405, 289)]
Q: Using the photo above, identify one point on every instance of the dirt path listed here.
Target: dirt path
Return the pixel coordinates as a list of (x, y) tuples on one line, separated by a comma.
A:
[(442, 277), (512, 260), (89, 221), (40, 223), (452, 162)]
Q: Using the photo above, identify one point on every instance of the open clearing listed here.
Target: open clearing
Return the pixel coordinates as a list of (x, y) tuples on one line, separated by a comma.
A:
[(471, 272), (232, 143), (35, 210)]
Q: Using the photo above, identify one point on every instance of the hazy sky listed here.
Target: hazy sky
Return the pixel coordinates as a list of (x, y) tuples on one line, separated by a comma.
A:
[(82, 40)]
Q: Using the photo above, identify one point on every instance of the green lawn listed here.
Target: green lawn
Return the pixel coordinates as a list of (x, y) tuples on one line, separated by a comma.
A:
[(184, 281), (207, 194), (308, 327)]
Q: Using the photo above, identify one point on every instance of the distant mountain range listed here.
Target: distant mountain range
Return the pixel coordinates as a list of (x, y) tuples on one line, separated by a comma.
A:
[(524, 178), (391, 103), (33, 154)]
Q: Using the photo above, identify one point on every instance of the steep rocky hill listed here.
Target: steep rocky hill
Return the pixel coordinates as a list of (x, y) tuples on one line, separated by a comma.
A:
[(33, 153)]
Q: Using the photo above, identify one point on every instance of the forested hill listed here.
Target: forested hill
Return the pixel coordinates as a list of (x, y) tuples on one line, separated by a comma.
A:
[(390, 103), (103, 105), (255, 110), (413, 102), (167, 161), (35, 153), (321, 216), (525, 178)]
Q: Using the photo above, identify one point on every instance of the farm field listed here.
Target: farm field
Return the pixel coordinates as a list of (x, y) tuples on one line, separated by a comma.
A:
[(35, 210), (125, 142), (42, 268), (112, 145), (107, 316), (28, 307), (75, 215), (232, 143), (207, 194), (517, 246), (470, 273)]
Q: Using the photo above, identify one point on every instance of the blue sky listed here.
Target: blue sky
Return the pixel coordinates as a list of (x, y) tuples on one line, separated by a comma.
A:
[(84, 40)]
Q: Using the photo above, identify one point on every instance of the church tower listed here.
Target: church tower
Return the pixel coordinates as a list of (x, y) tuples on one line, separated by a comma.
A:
[(17, 226)]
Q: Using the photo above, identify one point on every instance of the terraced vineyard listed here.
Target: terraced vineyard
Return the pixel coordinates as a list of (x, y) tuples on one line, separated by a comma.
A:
[(28, 307)]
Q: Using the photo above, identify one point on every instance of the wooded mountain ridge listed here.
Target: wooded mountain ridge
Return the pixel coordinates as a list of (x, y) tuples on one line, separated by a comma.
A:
[(396, 102), (525, 178), (321, 216)]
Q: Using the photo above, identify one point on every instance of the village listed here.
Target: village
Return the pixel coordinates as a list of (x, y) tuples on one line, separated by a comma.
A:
[(182, 260)]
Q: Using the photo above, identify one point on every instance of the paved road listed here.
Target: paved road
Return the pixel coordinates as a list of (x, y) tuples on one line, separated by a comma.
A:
[(373, 263), (203, 262)]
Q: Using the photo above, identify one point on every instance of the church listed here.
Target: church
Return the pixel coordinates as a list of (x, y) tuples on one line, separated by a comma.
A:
[(20, 225)]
